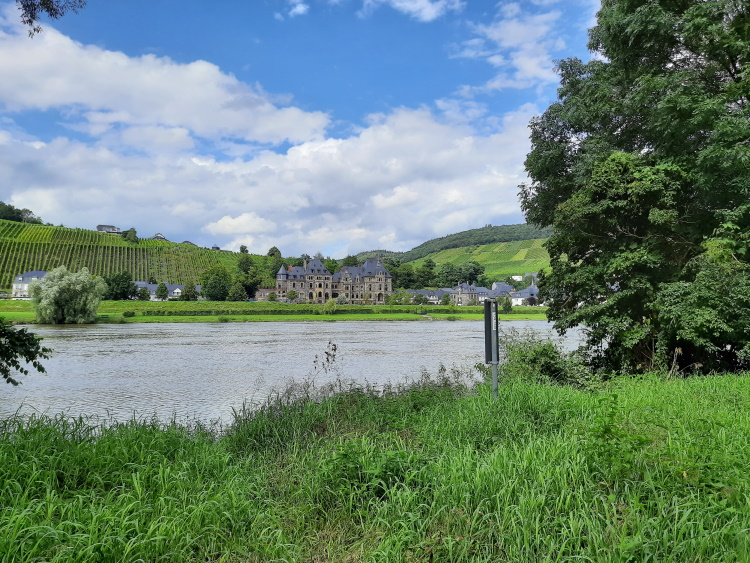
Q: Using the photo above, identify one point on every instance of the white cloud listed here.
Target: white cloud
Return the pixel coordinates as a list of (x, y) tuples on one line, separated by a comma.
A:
[(421, 10), (100, 90), (245, 223), (519, 44), (298, 8)]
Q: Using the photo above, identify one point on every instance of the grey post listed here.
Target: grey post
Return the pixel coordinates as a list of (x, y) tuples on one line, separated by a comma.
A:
[(491, 355)]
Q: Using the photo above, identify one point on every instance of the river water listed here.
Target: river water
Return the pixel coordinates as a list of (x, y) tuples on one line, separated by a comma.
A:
[(202, 370)]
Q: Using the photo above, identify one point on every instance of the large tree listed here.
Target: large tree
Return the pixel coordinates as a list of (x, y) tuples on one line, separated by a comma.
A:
[(32, 11), (63, 297), (642, 168), (120, 287)]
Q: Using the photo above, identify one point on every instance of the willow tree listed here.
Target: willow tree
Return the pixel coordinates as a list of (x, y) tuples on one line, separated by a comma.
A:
[(63, 297), (642, 167)]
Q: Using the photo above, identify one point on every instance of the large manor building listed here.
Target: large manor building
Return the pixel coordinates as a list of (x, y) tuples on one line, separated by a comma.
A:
[(365, 284)]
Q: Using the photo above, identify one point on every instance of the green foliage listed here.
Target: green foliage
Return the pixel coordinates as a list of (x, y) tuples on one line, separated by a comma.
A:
[(189, 293), (292, 295), (274, 252), (216, 283), (143, 294), (272, 296), (237, 293), (329, 307), (63, 297), (642, 168), (445, 299), (128, 314), (11, 213), (17, 346), (243, 249), (419, 299), (120, 287), (131, 236), (506, 306), (161, 291), (527, 357)]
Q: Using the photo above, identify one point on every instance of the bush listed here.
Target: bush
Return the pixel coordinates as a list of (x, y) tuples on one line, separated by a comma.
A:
[(530, 358), (128, 314)]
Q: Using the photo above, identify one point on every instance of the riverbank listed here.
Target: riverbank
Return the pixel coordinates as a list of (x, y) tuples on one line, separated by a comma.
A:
[(646, 469), (223, 311)]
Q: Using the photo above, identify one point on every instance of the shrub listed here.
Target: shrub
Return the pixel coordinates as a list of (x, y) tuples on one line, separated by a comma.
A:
[(128, 314)]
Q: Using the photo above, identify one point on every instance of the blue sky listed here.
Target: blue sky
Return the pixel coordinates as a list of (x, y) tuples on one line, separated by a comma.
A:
[(311, 125)]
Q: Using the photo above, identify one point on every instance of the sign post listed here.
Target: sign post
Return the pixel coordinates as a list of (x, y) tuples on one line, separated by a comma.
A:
[(491, 340)]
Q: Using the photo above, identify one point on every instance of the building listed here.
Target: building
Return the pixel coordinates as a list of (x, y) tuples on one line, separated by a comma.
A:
[(158, 236), (110, 229), (175, 290), (369, 283), (21, 283)]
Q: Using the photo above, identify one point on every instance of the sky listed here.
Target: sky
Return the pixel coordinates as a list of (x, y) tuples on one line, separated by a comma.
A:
[(332, 126)]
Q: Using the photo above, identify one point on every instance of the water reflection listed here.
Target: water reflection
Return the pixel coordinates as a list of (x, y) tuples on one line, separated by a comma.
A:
[(203, 370)]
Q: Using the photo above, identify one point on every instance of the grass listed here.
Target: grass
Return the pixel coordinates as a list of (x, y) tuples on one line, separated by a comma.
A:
[(646, 469), (211, 311)]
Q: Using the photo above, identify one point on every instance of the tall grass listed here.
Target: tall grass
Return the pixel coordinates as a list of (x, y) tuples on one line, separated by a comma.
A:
[(642, 470)]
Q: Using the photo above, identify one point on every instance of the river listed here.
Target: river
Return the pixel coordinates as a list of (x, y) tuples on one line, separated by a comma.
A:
[(202, 370)]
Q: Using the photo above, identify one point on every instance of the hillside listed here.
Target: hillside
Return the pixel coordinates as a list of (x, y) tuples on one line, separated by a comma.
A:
[(500, 260), (25, 247), (485, 236)]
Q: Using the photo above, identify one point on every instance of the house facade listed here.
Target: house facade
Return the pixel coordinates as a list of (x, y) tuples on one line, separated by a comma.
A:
[(175, 290), (369, 283), (21, 283)]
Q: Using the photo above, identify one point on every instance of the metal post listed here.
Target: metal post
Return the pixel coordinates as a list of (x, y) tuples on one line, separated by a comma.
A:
[(491, 354)]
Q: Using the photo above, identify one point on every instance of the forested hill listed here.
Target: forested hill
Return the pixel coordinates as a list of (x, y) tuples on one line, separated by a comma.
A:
[(473, 237)]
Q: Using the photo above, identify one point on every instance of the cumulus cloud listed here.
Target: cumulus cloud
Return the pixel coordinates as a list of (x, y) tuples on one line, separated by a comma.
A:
[(245, 223), (421, 10), (102, 90), (519, 44)]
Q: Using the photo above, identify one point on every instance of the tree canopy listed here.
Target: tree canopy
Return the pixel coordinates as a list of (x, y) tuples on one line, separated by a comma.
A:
[(11, 213), (120, 287), (642, 167), (63, 297)]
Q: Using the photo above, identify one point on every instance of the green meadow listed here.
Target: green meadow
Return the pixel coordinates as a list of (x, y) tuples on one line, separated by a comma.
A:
[(643, 469), (224, 311)]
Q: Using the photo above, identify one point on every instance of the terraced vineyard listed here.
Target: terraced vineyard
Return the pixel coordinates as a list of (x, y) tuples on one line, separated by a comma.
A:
[(500, 259), (25, 247)]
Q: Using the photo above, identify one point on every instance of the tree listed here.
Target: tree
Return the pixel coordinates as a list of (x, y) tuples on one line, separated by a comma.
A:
[(425, 274), (189, 293), (420, 299), (641, 167), (292, 295), (243, 249), (329, 307), (10, 213), (274, 252), (237, 293), (216, 283), (131, 236), (120, 287), (162, 293), (16, 346), (244, 263), (445, 299), (152, 279), (350, 260), (32, 11), (143, 294), (63, 297), (272, 296), (506, 305)]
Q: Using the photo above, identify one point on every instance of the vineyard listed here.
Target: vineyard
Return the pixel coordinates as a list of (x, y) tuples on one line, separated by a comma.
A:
[(499, 259), (25, 247)]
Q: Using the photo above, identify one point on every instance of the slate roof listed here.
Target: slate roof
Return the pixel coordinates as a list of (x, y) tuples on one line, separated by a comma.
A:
[(26, 277), (371, 268)]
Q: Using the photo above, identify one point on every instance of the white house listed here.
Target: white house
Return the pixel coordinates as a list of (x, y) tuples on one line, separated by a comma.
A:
[(21, 283)]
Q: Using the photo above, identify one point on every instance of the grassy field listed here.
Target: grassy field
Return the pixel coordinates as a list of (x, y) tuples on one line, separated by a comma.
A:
[(500, 260), (646, 469), (224, 311)]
